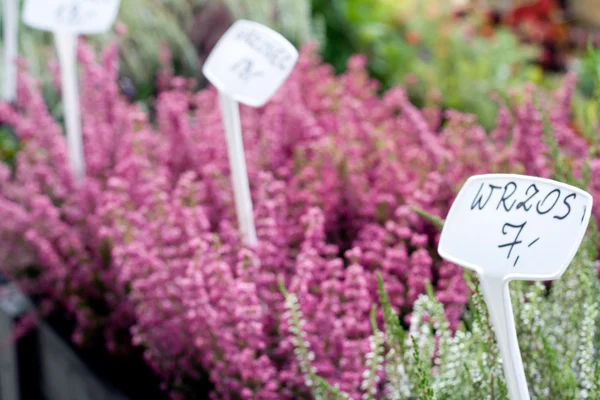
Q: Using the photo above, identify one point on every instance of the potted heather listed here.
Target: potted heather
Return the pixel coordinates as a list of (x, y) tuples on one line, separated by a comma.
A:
[(143, 257)]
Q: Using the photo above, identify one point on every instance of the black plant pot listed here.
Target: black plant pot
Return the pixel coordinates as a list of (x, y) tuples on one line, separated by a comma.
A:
[(19, 373), (43, 365), (64, 376)]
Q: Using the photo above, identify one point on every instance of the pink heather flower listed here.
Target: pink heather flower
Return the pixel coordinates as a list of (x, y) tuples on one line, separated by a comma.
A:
[(147, 248)]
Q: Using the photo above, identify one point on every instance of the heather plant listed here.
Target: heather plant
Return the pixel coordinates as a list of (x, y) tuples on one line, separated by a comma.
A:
[(291, 18), (349, 192), (145, 251), (559, 343)]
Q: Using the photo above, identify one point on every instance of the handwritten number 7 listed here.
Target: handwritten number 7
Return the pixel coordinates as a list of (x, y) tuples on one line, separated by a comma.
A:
[(245, 69), (512, 244), (68, 14)]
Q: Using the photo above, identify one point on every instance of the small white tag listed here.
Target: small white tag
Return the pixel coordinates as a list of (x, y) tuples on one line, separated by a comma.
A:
[(71, 16), (515, 227), (250, 62)]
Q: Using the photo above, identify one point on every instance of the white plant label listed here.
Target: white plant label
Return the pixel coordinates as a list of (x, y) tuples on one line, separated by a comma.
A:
[(71, 16), (250, 62), (508, 227), (515, 227)]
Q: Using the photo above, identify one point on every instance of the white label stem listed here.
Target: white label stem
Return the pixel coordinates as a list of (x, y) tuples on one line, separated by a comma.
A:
[(237, 163), (497, 299), (66, 46), (10, 39)]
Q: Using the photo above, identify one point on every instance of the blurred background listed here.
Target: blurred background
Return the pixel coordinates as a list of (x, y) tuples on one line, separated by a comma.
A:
[(454, 51)]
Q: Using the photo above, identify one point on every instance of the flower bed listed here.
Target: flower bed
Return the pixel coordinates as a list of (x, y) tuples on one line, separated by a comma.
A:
[(144, 253)]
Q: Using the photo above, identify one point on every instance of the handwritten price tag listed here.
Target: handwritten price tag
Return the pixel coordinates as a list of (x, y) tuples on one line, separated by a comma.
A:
[(508, 227), (71, 16), (515, 227), (250, 62)]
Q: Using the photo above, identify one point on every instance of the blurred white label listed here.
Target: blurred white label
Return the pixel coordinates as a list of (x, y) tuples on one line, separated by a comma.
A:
[(250, 62), (515, 227), (71, 16)]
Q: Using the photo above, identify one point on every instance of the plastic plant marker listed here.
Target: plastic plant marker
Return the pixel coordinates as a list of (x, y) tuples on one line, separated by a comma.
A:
[(67, 19), (239, 174), (66, 47), (248, 64), (507, 227), (10, 36)]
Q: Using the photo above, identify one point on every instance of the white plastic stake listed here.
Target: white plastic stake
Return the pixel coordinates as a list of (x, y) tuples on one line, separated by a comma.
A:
[(66, 47), (237, 164), (67, 19), (248, 64), (10, 36), (507, 227), (497, 299)]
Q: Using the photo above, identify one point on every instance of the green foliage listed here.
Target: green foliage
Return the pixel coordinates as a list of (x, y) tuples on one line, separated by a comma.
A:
[(558, 329), (320, 389), (433, 219), (151, 23), (340, 44), (423, 385), (8, 145), (425, 40), (588, 70), (586, 107), (291, 18)]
